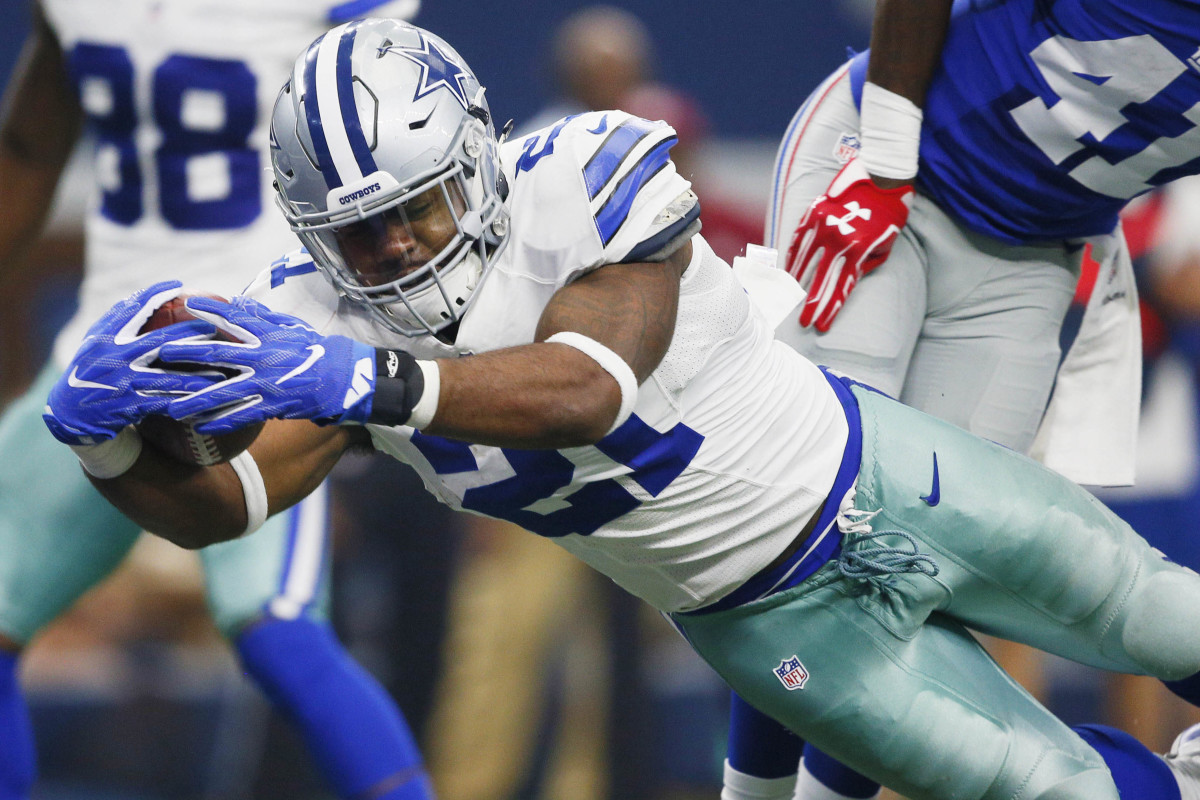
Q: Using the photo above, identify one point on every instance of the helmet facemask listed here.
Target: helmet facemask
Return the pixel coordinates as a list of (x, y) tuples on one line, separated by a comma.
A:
[(411, 242)]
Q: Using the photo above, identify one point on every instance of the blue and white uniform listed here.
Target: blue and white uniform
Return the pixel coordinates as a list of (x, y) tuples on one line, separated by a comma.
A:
[(1041, 122), (597, 189)]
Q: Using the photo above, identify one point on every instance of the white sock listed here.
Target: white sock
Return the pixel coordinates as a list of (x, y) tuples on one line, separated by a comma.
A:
[(809, 788), (740, 786)]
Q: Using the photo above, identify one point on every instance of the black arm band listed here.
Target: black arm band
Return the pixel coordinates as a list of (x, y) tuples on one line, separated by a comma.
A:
[(399, 384)]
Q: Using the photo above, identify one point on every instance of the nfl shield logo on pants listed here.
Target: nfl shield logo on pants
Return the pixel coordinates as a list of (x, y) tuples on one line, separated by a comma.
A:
[(791, 674), (847, 147)]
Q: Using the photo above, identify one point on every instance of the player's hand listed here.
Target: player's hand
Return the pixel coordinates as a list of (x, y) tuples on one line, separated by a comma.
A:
[(283, 370), (110, 382), (844, 234)]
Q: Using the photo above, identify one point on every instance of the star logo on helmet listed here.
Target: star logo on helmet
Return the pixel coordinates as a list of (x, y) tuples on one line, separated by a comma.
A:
[(438, 70)]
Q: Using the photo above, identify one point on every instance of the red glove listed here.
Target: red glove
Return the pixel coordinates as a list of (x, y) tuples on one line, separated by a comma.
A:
[(844, 234)]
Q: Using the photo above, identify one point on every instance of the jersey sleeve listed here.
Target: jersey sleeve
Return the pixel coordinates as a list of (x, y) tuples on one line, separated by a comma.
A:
[(637, 199), (602, 189), (293, 285)]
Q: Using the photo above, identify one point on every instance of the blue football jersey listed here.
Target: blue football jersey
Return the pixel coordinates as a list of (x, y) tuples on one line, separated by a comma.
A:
[(1047, 116)]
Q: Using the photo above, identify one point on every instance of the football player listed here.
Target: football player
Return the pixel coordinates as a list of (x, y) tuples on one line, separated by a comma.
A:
[(540, 331), (934, 196), (178, 97)]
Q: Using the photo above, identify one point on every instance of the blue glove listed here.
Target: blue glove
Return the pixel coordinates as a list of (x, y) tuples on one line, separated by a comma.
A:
[(284, 370), (110, 382)]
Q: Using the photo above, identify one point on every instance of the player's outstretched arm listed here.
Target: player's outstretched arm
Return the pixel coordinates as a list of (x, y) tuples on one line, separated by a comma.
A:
[(596, 341), (196, 506), (39, 124), (553, 393), (116, 380)]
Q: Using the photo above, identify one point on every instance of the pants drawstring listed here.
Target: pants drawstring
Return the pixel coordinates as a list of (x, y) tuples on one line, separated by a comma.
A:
[(881, 560)]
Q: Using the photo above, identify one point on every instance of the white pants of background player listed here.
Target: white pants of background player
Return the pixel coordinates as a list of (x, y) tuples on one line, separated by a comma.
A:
[(955, 323)]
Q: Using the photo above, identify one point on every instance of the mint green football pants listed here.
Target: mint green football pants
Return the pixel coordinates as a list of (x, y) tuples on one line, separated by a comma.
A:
[(888, 679), (59, 537)]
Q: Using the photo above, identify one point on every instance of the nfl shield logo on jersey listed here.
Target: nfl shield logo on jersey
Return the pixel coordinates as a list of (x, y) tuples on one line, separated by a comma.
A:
[(791, 674), (847, 147)]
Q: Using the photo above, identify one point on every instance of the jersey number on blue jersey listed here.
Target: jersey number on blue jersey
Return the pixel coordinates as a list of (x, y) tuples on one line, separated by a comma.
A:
[(529, 497), (1096, 82), (204, 109)]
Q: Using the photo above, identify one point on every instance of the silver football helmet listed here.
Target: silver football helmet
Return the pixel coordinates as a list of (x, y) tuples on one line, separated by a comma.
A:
[(386, 166)]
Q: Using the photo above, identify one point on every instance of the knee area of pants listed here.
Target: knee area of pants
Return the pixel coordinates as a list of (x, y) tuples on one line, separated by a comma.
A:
[(1095, 784), (1161, 633)]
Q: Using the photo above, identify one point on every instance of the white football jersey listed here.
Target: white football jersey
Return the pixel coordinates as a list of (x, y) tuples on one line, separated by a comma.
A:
[(178, 97), (735, 439)]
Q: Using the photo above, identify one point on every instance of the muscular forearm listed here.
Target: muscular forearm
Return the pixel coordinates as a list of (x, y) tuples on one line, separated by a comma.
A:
[(198, 506), (906, 45), (551, 395), (191, 506), (531, 397)]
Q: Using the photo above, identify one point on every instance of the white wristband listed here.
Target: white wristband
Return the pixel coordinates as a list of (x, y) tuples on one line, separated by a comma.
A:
[(253, 489), (111, 458), (426, 407), (611, 363), (891, 133), (740, 786)]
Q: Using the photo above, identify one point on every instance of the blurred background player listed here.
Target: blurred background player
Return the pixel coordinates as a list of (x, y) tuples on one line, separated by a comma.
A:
[(176, 96), (597, 54), (1026, 151)]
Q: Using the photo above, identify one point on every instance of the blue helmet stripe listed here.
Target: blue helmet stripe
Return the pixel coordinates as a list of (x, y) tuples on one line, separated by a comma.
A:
[(345, 88), (616, 209), (312, 114)]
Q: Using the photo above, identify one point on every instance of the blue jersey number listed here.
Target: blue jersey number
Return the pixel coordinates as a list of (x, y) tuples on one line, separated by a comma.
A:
[(529, 158), (225, 88), (526, 497)]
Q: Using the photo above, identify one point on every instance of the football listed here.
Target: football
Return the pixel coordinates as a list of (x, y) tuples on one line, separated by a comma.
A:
[(180, 440)]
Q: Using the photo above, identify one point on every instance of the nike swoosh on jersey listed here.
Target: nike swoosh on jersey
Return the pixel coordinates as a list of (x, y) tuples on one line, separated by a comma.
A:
[(76, 382), (318, 352), (935, 494)]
